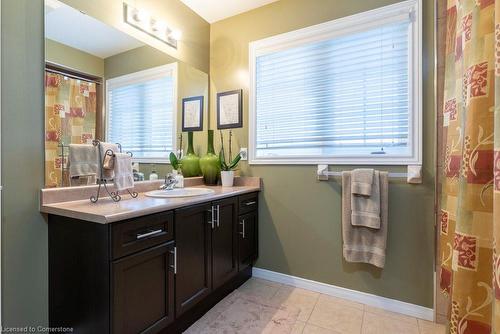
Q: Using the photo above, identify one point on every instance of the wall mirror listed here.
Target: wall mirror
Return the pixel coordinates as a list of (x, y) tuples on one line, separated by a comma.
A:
[(102, 83)]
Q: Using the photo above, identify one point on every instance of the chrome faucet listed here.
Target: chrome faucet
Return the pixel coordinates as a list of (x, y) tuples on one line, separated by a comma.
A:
[(170, 182)]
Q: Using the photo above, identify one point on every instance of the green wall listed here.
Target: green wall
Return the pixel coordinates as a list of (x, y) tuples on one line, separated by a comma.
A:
[(300, 218), (24, 231), (135, 60), (72, 58)]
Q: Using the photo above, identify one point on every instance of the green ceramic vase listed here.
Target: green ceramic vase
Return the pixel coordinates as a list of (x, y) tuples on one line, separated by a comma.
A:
[(190, 162), (209, 163)]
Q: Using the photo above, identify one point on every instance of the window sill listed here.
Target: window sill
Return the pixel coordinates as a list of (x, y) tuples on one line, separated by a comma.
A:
[(151, 160), (396, 161)]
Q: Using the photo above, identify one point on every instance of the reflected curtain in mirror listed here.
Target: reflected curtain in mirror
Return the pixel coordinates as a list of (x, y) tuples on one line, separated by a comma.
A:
[(70, 118)]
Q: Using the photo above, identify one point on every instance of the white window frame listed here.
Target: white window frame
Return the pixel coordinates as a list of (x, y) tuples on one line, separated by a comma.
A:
[(149, 74), (336, 28)]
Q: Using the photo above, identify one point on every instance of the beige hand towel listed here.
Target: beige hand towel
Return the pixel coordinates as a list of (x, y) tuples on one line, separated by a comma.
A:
[(363, 244), (83, 160), (365, 210), (108, 173), (361, 181), (124, 178)]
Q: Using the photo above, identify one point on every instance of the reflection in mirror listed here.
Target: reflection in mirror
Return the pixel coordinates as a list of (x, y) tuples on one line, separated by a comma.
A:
[(101, 83)]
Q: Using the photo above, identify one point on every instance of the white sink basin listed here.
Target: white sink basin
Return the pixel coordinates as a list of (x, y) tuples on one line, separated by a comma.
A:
[(179, 192)]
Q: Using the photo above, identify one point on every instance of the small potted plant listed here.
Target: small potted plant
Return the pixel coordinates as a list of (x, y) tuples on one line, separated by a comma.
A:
[(176, 165), (227, 169), (175, 157)]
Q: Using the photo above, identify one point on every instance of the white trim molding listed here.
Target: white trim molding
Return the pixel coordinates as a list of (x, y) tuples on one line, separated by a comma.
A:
[(363, 21), (384, 303)]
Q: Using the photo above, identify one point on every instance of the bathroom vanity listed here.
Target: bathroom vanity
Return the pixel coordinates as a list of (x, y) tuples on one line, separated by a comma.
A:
[(145, 264), (148, 265)]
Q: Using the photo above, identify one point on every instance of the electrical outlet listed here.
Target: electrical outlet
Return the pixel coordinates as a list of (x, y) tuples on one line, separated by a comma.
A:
[(244, 153)]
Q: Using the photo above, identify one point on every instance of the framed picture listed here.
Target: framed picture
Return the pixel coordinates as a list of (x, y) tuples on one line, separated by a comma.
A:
[(192, 113), (230, 109)]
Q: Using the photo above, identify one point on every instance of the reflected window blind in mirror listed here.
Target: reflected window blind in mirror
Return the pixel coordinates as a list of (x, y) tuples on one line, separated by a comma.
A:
[(340, 97), (141, 112)]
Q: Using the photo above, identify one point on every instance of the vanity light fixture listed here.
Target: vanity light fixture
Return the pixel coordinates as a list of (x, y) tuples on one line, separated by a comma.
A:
[(142, 20)]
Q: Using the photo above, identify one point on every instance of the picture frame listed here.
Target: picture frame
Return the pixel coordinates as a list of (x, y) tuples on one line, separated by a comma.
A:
[(230, 109), (192, 113)]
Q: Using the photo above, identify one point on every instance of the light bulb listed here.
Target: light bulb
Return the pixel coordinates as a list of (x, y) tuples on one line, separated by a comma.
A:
[(160, 26), (143, 15), (135, 15), (176, 34)]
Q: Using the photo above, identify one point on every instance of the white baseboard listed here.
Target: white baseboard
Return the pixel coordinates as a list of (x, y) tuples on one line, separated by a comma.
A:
[(353, 295)]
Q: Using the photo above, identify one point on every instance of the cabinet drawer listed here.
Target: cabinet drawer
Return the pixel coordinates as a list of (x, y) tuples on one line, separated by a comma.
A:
[(247, 203), (140, 233)]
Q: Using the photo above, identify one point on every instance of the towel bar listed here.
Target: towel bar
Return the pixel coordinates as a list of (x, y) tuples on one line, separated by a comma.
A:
[(324, 173)]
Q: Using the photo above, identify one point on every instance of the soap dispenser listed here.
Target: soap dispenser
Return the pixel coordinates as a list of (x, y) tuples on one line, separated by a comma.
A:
[(153, 176), (179, 178)]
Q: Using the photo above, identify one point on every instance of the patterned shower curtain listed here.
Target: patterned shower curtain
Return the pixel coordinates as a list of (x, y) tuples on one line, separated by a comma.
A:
[(470, 206), (70, 118)]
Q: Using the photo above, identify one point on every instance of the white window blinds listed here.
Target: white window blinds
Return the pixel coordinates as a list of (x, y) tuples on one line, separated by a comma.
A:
[(345, 96), (141, 113)]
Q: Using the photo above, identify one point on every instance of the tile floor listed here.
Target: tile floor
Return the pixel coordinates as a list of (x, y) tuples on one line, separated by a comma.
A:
[(323, 314)]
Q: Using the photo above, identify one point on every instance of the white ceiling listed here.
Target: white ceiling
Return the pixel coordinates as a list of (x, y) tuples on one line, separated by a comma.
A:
[(216, 10), (71, 27)]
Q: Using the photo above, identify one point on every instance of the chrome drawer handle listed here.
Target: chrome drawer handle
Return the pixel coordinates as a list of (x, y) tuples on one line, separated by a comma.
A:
[(212, 220), (148, 234), (218, 216), (174, 267), (250, 203), (243, 232)]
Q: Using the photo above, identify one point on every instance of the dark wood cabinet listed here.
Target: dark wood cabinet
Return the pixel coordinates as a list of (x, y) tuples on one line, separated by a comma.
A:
[(79, 275), (247, 239), (143, 291), (224, 241), (157, 273), (193, 228)]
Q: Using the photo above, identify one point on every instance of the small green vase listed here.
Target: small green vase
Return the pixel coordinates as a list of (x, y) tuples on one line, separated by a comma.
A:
[(190, 162), (209, 163)]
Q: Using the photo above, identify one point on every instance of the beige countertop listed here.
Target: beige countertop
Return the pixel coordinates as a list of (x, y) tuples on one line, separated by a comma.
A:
[(77, 205)]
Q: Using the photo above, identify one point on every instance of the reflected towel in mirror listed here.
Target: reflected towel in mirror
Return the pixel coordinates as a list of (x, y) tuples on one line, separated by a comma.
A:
[(124, 178), (83, 161)]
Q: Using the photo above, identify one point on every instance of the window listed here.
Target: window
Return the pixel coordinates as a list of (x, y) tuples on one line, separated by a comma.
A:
[(344, 92), (141, 109)]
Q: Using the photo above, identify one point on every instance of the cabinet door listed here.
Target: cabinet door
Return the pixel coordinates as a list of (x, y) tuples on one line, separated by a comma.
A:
[(143, 291), (192, 237), (247, 239), (224, 241)]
